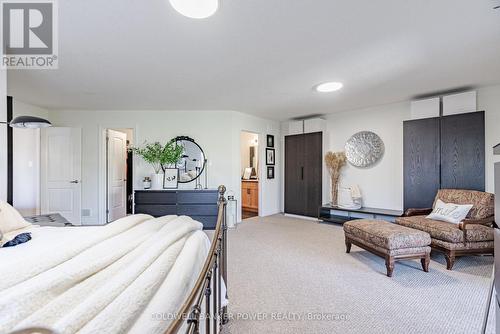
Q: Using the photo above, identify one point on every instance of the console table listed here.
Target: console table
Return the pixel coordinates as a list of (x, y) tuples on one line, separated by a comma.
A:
[(201, 205), (335, 214)]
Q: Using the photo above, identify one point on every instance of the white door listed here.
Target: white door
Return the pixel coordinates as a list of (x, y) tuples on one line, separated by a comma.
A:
[(61, 172), (117, 175)]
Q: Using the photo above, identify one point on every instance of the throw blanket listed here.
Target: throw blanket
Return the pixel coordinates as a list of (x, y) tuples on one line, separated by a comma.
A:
[(112, 280)]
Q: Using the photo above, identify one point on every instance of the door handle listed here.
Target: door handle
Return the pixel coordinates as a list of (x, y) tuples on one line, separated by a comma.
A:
[(301, 173), (74, 181)]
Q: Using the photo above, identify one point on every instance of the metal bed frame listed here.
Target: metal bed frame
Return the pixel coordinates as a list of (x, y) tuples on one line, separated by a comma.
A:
[(207, 290)]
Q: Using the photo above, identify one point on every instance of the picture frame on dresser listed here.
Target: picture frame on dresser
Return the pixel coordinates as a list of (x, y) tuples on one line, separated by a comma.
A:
[(171, 178)]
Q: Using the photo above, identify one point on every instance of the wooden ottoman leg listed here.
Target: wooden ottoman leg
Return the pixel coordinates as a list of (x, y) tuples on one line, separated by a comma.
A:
[(425, 262), (389, 264), (450, 259), (347, 246)]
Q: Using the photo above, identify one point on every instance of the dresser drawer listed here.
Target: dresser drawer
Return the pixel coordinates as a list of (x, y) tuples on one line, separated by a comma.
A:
[(156, 210), (155, 197), (249, 185), (197, 197), (209, 222), (197, 210)]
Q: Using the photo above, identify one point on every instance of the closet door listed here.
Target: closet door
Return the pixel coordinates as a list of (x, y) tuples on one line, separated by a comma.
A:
[(313, 162), (462, 151), (421, 162), (295, 196)]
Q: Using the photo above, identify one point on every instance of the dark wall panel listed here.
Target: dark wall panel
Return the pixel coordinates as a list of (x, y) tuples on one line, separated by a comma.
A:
[(463, 151), (421, 162)]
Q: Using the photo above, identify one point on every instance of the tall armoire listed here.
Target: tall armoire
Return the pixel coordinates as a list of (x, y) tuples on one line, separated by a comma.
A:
[(446, 152), (303, 173)]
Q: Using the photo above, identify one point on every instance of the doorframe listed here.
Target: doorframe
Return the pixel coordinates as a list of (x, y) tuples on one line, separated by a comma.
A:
[(262, 170), (102, 169)]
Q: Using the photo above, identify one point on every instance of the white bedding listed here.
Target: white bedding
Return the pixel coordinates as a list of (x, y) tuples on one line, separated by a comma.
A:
[(111, 279)]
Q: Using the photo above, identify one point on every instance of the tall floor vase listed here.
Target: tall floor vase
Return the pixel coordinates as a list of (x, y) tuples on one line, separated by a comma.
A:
[(335, 188)]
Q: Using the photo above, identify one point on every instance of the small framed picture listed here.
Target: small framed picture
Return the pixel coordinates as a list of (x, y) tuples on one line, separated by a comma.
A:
[(270, 141), (170, 178), (270, 172), (270, 158)]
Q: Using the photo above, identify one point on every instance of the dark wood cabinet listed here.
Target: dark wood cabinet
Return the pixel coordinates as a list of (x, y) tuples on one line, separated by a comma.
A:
[(442, 153), (421, 162), (463, 151), (303, 173), (201, 205), (294, 168)]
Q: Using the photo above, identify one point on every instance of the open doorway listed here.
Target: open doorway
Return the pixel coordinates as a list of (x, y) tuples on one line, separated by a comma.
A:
[(249, 174), (119, 173)]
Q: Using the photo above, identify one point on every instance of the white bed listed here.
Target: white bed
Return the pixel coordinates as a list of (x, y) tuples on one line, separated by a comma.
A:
[(129, 276)]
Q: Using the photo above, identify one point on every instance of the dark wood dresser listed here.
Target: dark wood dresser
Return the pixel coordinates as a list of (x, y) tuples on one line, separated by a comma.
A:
[(201, 205)]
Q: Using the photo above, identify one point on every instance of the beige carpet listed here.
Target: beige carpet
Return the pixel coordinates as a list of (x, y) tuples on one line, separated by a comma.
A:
[(288, 275)]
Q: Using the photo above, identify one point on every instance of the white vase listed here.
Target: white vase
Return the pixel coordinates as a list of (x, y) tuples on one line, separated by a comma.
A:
[(157, 181)]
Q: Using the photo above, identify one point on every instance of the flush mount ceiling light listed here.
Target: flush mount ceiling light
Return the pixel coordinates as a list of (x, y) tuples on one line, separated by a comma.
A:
[(29, 122), (195, 9), (328, 87)]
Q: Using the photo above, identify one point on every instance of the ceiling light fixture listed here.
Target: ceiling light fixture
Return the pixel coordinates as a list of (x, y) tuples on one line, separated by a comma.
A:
[(29, 122), (195, 9), (328, 87)]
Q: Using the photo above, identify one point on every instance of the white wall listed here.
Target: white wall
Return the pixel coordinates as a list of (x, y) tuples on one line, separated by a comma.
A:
[(26, 162), (3, 136), (217, 132), (488, 99), (382, 185)]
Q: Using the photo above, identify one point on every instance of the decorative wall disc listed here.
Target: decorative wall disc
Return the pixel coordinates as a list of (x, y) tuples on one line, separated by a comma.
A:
[(364, 149)]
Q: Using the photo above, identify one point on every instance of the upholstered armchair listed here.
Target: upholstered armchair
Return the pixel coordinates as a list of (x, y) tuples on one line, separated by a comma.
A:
[(474, 235)]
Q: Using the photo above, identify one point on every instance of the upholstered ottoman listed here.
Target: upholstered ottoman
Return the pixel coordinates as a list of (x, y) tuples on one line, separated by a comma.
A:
[(388, 240)]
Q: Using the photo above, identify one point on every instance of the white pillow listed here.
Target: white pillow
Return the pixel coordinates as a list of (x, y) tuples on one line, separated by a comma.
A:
[(10, 219), (449, 212)]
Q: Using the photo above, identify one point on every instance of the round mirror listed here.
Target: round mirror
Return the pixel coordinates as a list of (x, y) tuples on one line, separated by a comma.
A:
[(192, 162)]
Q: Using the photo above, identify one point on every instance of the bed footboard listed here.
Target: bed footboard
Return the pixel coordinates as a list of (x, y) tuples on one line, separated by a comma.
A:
[(203, 310)]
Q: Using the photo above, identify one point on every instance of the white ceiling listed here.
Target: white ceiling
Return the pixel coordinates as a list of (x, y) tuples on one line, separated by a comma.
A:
[(263, 56)]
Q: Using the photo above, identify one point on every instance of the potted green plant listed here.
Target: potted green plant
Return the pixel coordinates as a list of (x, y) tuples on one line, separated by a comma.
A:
[(169, 157), (152, 154)]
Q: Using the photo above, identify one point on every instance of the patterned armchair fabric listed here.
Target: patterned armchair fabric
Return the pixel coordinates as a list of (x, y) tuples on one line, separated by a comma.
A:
[(447, 231), (472, 236), (483, 203)]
